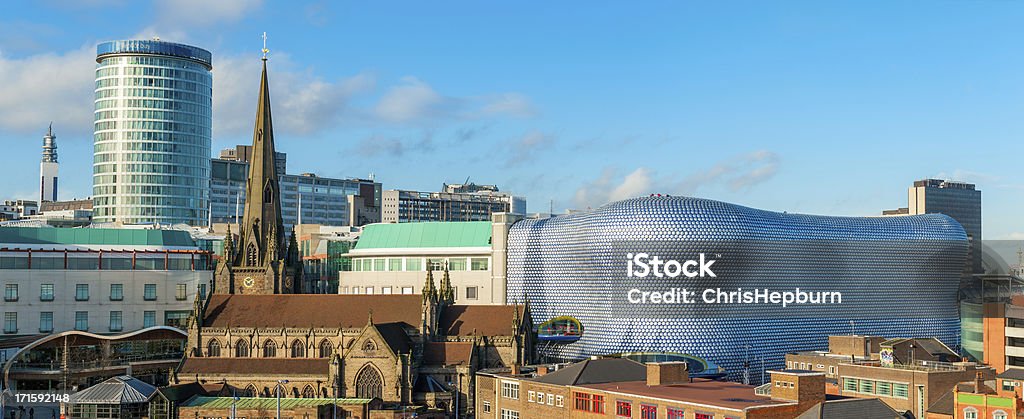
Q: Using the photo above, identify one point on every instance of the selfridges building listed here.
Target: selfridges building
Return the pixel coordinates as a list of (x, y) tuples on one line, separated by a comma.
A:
[(731, 284)]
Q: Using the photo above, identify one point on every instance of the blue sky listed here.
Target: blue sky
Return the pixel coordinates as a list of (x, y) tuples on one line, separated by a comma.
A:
[(816, 107)]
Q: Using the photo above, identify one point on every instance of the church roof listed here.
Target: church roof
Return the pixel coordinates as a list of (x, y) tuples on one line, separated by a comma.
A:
[(447, 353), (311, 310), (255, 366), (395, 336), (490, 320), (425, 234)]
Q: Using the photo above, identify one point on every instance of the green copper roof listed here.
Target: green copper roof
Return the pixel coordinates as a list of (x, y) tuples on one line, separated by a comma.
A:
[(94, 236), (269, 403), (432, 234)]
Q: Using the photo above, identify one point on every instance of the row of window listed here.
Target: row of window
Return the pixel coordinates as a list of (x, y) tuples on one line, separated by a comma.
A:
[(106, 263), (471, 293), (550, 399), (46, 292), (171, 318), (876, 387), (297, 349), (810, 366), (416, 264)]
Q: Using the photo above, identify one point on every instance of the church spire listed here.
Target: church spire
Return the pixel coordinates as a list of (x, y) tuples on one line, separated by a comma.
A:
[(429, 292), (446, 294)]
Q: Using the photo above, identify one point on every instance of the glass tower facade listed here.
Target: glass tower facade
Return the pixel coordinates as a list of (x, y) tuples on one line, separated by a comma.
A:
[(895, 277), (151, 158)]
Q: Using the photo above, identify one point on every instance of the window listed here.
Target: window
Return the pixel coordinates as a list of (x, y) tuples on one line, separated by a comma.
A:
[(478, 264), (510, 390), (241, 349), (82, 320), (378, 265), (11, 322), (385, 290), (269, 349), (11, 292), (867, 386), (149, 292), (532, 396), (821, 366), (181, 292), (457, 264), (883, 388), (369, 290), (407, 290), (115, 321), (849, 384), (999, 414), (435, 264), (540, 397), (778, 384), (509, 414), (177, 319), (675, 413), (46, 292), (900, 390), (623, 409), (699, 415), (213, 348), (551, 399), (472, 293), (394, 264), (413, 264), (832, 370), (116, 292), (46, 322), (587, 402), (559, 401), (148, 318), (970, 413), (82, 292), (648, 411), (298, 349), (487, 406), (326, 349)]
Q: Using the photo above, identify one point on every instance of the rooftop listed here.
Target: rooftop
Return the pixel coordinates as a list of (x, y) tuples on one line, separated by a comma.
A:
[(311, 310), (425, 235), (478, 320), (267, 366), (23, 237), (709, 392), (266, 403), (118, 390)]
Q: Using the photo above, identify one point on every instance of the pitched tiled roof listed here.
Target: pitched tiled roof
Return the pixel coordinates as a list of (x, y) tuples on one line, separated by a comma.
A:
[(181, 392), (851, 409), (311, 310), (597, 371), (492, 320), (394, 335), (447, 353), (255, 366)]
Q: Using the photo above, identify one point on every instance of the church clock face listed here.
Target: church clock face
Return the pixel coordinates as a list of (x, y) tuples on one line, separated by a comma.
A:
[(248, 282)]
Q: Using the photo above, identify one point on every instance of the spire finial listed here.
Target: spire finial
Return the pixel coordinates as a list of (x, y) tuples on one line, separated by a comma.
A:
[(49, 132), (265, 50)]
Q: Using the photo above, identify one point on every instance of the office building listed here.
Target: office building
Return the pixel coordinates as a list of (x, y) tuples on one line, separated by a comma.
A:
[(48, 168), (324, 251), (151, 162), (978, 398), (98, 280), (456, 203), (860, 269), (393, 259), (18, 209), (324, 201), (959, 200)]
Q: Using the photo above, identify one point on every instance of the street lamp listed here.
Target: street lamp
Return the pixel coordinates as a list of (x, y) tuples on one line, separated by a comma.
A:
[(277, 388)]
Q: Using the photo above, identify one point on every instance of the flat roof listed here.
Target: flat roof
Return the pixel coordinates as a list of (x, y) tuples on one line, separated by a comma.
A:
[(268, 403), (35, 236), (425, 235), (701, 391)]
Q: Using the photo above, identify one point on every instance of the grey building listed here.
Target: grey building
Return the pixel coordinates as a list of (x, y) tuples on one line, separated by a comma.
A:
[(959, 200), (324, 201), (466, 202)]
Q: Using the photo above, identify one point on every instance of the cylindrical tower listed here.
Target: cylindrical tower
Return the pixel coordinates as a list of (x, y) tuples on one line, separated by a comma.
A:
[(151, 156), (48, 168)]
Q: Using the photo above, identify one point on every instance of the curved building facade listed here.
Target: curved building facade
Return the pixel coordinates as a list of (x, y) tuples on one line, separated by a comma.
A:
[(733, 284), (151, 160)]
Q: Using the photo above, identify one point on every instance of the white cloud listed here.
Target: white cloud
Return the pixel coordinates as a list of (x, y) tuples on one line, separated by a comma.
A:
[(413, 99), (48, 87), (302, 102), (513, 104), (528, 147), (608, 187)]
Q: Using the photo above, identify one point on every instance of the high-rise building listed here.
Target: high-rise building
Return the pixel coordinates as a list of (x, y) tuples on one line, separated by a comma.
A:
[(467, 202), (48, 168), (151, 160), (959, 200), (325, 201)]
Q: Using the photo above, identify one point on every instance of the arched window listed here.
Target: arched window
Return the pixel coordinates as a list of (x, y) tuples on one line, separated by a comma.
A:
[(269, 349), (369, 345), (970, 413), (251, 255), (250, 391), (298, 349), (308, 392), (326, 349), (369, 383), (241, 349), (999, 414), (268, 194), (213, 348)]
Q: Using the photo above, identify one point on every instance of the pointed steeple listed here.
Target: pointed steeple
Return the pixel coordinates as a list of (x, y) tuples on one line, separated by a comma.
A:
[(446, 294), (429, 292), (229, 247)]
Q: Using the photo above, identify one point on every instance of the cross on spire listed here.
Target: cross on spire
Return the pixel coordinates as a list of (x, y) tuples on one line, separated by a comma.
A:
[(265, 50)]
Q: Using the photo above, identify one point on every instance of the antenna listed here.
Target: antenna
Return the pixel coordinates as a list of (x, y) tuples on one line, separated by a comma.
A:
[(265, 50)]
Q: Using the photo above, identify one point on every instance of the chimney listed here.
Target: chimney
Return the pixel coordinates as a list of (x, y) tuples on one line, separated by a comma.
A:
[(542, 370), (979, 382), (515, 369), (667, 373)]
